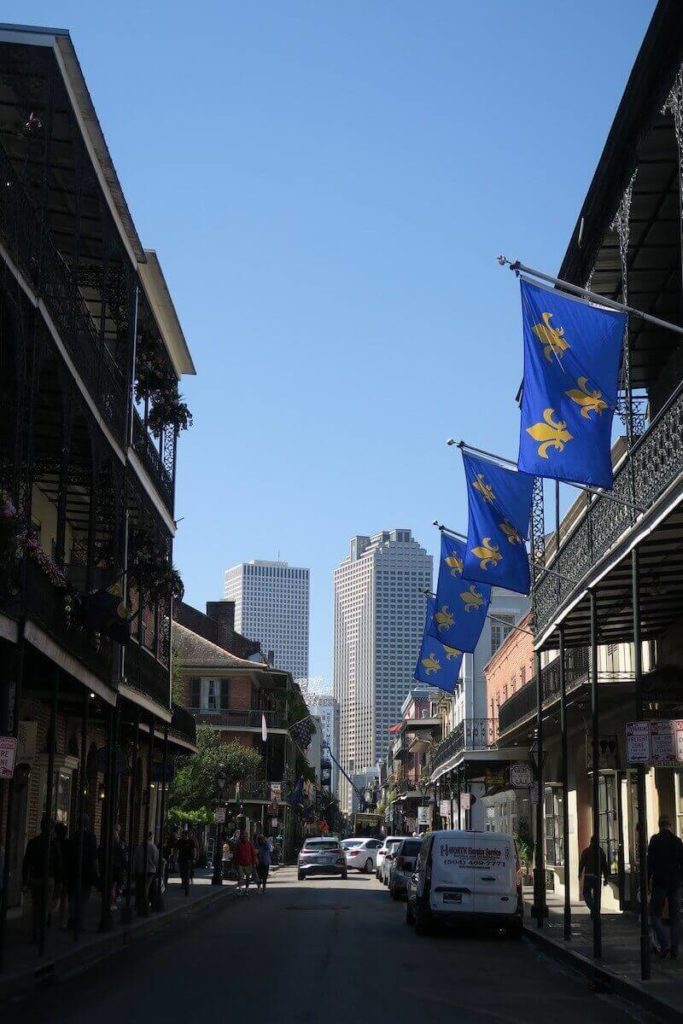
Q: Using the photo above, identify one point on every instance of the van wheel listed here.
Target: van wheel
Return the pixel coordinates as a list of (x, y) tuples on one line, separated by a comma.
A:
[(344, 876), (300, 876), (393, 893), (515, 931), (409, 916), (368, 866)]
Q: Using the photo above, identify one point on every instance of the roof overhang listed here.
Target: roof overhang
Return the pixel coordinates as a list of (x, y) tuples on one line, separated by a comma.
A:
[(165, 314), (481, 759)]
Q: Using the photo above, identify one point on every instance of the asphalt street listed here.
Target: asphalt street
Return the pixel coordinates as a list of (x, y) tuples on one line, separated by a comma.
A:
[(327, 951)]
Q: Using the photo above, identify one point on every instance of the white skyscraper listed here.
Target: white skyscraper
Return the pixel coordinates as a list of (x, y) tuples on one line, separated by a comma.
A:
[(326, 708), (271, 606), (378, 620)]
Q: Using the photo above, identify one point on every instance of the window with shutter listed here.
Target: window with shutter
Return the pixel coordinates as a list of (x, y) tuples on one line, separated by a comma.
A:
[(195, 693), (225, 694)]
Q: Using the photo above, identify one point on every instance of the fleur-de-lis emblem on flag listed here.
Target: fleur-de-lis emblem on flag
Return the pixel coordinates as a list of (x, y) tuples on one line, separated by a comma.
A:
[(487, 553), (590, 401), (513, 535), (473, 598), (444, 618), (551, 434), (484, 489), (552, 338), (455, 565), (451, 652), (431, 664)]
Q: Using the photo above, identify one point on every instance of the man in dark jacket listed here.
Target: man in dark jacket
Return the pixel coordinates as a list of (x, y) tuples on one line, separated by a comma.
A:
[(38, 849), (665, 874), (81, 882), (593, 864)]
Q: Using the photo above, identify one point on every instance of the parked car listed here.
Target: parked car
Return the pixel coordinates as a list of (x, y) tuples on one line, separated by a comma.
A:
[(362, 853), (466, 877), (385, 855), (403, 866), (321, 857)]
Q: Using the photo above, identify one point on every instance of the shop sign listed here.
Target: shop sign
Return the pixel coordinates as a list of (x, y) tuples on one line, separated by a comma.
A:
[(445, 808), (658, 742), (275, 792), (423, 816), (8, 756), (219, 815), (609, 753), (494, 777), (465, 801), (520, 775)]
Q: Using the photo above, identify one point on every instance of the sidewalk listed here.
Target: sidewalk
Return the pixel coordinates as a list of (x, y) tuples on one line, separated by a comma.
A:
[(619, 968), (25, 970)]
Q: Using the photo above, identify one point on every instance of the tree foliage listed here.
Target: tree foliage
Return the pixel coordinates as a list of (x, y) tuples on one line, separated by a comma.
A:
[(195, 785)]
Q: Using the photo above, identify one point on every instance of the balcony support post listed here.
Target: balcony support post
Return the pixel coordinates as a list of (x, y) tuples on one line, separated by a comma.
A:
[(108, 821), (642, 791), (82, 783), (126, 912), (565, 793), (158, 894), (595, 767), (539, 910), (141, 883), (49, 806)]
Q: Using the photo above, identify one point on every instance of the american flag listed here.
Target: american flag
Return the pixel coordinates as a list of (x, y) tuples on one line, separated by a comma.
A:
[(302, 733)]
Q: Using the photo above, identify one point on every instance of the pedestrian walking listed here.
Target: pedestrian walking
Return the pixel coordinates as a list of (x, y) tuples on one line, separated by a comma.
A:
[(61, 893), (245, 859), (80, 878), (665, 874), (34, 877), (186, 857), (145, 864), (119, 865), (592, 866), (264, 858)]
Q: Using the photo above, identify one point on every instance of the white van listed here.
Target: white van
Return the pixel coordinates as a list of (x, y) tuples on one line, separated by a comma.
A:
[(466, 877)]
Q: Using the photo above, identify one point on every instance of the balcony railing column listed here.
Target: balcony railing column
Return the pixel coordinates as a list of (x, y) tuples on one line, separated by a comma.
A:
[(595, 764), (642, 791)]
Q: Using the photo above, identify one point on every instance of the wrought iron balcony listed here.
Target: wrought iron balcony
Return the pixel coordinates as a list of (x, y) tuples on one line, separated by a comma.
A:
[(183, 724), (249, 789), (146, 674), (522, 705), (470, 734), (44, 266), (653, 464), (150, 458), (238, 719)]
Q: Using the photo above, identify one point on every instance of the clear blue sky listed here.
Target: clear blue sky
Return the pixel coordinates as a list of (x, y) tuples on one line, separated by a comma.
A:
[(328, 185)]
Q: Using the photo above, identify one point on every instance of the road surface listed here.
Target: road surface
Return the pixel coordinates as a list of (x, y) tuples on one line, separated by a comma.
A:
[(326, 951)]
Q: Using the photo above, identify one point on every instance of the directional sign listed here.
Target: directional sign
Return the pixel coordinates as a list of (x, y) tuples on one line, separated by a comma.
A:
[(520, 775), (8, 756)]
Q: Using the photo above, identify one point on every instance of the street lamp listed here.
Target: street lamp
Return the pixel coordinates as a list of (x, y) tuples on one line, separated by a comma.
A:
[(217, 878)]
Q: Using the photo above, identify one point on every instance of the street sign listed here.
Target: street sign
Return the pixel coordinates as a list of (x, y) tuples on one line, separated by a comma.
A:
[(445, 808), (219, 815), (275, 792), (465, 801), (423, 815), (638, 742), (520, 775), (8, 756)]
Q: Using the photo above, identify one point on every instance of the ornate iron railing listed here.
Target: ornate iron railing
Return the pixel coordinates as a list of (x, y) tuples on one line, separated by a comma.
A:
[(53, 609), (653, 463), (146, 674), (44, 267), (152, 461), (183, 724), (522, 705), (470, 734), (249, 789), (239, 719)]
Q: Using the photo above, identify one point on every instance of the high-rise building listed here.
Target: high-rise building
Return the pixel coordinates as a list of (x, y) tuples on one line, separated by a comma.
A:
[(378, 620), (326, 708), (271, 606)]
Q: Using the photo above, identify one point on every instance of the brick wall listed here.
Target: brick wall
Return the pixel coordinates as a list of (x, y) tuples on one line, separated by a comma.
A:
[(510, 668)]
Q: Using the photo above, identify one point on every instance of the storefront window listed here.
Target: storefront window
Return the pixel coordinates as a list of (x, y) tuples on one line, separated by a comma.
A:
[(554, 850), (608, 821)]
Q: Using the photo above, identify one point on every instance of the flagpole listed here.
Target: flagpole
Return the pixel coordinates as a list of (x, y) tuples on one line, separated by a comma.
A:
[(445, 529), (585, 293), (493, 618), (586, 488)]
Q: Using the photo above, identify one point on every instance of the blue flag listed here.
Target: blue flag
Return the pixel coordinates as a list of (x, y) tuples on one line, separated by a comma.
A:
[(437, 664), (461, 605), (572, 354), (499, 503)]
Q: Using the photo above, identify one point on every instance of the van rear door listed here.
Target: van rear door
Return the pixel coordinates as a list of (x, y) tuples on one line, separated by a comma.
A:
[(453, 860), (495, 879)]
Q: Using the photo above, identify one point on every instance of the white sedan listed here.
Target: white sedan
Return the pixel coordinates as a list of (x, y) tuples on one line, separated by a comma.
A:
[(361, 853)]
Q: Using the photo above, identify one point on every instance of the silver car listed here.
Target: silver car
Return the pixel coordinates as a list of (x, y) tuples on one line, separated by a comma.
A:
[(403, 867), (321, 857)]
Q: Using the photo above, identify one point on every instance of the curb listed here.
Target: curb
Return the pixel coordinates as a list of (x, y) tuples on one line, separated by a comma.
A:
[(602, 978), (16, 986)]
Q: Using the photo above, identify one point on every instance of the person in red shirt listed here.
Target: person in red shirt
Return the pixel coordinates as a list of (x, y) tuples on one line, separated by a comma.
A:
[(245, 860)]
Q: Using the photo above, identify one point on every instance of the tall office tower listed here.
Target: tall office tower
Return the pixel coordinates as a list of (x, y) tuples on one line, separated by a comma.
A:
[(378, 620), (326, 708), (271, 606)]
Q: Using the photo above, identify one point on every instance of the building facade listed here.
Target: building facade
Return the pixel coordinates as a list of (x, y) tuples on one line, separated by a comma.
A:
[(378, 621), (272, 606), (92, 355), (326, 708)]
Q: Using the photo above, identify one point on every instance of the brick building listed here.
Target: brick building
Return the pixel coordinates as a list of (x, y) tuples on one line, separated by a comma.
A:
[(510, 668)]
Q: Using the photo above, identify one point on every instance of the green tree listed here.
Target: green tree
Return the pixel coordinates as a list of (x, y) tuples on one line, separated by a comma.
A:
[(195, 786)]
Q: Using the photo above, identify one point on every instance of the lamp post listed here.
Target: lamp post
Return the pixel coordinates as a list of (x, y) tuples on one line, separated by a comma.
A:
[(539, 909), (217, 878)]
